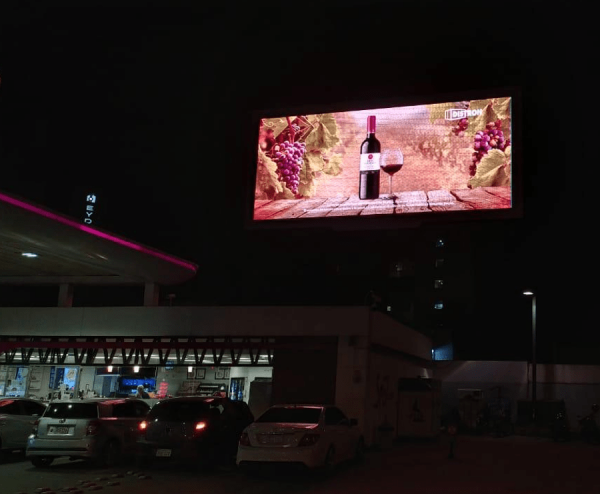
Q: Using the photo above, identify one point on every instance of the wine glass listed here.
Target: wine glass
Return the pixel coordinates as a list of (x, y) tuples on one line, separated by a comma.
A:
[(392, 161)]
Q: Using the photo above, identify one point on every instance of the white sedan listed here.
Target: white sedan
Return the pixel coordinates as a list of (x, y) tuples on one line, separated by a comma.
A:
[(310, 435)]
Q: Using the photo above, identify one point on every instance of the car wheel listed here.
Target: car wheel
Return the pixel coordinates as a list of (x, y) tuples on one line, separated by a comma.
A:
[(329, 459), (41, 461), (359, 454), (111, 454)]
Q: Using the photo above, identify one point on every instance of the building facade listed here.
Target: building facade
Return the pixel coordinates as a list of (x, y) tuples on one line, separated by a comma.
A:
[(353, 357)]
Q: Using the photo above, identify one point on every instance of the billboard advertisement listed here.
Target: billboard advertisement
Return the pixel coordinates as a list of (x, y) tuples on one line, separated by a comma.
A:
[(424, 160)]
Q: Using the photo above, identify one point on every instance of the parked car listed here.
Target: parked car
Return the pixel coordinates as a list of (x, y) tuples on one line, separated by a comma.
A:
[(309, 435), (99, 430), (17, 417), (201, 430)]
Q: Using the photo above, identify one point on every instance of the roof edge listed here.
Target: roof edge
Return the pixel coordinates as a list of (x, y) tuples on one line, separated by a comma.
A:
[(111, 237)]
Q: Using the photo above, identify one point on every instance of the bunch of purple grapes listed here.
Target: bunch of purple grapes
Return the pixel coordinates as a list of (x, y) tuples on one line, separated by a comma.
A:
[(490, 138), (460, 127), (289, 159)]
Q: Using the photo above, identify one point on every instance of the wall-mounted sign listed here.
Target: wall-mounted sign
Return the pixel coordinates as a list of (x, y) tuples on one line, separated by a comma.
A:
[(90, 206)]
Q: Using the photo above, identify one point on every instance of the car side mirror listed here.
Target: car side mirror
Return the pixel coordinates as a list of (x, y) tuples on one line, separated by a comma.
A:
[(353, 422)]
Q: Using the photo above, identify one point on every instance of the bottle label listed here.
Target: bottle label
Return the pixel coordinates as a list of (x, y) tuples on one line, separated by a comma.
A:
[(369, 162)]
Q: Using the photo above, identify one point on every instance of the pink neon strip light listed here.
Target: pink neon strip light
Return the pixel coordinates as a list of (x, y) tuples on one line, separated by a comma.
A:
[(87, 229)]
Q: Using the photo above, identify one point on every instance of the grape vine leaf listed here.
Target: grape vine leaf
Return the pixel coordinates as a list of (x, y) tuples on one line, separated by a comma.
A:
[(479, 104), (277, 124), (324, 135), (329, 122), (478, 123), (307, 188), (285, 194), (507, 153), (491, 171), (502, 108), (314, 164), (333, 164), (267, 184)]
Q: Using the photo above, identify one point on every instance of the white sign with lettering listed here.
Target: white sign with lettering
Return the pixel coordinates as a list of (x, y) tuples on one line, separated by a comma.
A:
[(89, 208)]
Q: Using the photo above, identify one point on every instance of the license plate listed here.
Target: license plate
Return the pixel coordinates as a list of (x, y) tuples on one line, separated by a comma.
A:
[(59, 430), (272, 439), (163, 453)]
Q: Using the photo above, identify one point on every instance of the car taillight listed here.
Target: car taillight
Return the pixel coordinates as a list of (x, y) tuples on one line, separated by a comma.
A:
[(142, 428), (93, 428), (309, 439), (35, 427), (245, 439), (200, 426)]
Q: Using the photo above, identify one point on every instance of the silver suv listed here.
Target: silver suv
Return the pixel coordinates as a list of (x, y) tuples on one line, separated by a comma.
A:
[(17, 417), (101, 430)]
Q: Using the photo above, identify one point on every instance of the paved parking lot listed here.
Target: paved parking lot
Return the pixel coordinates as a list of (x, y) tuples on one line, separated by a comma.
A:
[(514, 464), (481, 465)]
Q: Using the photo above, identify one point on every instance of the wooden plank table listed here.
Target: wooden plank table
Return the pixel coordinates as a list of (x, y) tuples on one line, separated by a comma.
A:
[(416, 201)]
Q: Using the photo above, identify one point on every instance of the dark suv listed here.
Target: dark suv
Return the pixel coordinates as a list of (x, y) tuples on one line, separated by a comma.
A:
[(198, 430), (101, 430)]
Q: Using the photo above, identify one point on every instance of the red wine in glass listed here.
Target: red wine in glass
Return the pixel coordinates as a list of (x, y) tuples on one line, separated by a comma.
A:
[(390, 169)]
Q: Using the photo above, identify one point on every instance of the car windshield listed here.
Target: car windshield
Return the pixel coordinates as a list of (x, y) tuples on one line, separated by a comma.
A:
[(179, 411), (297, 415), (72, 411)]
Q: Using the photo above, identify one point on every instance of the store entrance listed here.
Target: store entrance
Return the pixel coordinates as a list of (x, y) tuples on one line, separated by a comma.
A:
[(239, 383), (252, 384)]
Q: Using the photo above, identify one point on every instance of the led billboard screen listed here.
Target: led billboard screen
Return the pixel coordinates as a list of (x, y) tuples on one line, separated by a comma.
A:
[(398, 161)]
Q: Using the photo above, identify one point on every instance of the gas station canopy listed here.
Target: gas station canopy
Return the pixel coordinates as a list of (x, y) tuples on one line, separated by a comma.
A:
[(39, 246)]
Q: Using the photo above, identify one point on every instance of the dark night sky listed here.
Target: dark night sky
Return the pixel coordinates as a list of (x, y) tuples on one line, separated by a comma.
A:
[(150, 106)]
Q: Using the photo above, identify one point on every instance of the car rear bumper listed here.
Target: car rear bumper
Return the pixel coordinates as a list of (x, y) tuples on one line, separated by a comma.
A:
[(183, 451), (80, 448), (310, 457)]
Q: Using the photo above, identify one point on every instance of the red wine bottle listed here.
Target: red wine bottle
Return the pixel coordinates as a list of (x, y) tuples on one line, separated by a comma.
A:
[(370, 152)]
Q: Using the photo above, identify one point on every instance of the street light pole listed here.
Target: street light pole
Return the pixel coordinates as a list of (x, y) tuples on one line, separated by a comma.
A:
[(533, 359)]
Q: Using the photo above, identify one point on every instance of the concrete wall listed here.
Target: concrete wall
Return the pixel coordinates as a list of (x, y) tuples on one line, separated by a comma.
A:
[(306, 375), (351, 376), (568, 374), (484, 371), (516, 372), (183, 321), (392, 334), (213, 321), (578, 385)]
